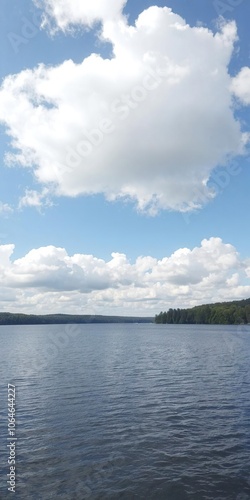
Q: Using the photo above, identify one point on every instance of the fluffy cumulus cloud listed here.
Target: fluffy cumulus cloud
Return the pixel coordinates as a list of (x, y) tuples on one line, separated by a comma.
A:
[(48, 280), (241, 85), (66, 14), (149, 124), (33, 198)]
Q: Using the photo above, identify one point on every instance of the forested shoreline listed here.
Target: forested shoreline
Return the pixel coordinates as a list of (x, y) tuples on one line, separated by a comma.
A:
[(7, 318), (222, 313)]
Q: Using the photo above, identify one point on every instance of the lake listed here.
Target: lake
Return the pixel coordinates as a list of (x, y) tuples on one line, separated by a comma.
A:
[(137, 411)]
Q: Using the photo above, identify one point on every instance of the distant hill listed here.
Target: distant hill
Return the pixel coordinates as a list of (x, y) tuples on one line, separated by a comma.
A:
[(222, 313), (7, 318)]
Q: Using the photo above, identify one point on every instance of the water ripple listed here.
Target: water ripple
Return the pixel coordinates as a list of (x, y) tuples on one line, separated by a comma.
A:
[(129, 412)]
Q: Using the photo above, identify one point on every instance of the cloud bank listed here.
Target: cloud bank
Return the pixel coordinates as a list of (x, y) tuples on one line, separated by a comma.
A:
[(48, 280), (149, 125)]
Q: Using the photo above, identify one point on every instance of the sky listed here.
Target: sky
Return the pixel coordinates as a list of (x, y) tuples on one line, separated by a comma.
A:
[(124, 155)]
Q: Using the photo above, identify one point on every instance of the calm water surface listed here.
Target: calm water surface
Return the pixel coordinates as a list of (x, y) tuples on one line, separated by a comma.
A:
[(127, 411)]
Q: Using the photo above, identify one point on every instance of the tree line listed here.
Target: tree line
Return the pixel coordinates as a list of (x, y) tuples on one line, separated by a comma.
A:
[(7, 318), (222, 313)]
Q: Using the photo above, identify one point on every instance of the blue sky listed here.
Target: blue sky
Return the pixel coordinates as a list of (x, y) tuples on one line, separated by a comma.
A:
[(153, 212)]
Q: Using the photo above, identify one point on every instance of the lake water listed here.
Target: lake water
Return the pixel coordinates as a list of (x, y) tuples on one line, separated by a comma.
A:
[(127, 411)]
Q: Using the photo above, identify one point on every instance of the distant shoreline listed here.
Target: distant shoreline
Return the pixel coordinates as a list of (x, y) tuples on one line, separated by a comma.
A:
[(236, 312), (65, 319)]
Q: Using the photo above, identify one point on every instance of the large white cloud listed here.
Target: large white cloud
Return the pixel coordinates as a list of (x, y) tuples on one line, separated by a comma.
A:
[(48, 280), (150, 124)]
